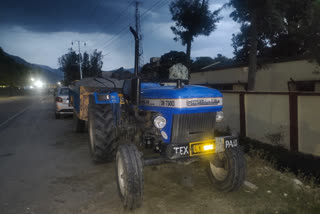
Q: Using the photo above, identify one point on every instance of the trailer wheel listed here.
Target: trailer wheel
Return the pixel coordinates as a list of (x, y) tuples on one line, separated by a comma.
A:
[(227, 170), (78, 125), (129, 171), (102, 133)]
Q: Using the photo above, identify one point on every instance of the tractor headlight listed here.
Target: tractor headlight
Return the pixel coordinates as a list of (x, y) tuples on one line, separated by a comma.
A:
[(219, 116), (159, 122)]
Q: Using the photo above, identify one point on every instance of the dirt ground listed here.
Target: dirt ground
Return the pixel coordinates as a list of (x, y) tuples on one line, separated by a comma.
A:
[(46, 168)]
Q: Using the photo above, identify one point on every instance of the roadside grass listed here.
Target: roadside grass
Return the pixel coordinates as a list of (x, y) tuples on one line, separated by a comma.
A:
[(170, 186), (280, 192)]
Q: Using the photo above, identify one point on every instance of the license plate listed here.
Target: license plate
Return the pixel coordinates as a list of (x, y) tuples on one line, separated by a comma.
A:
[(202, 147)]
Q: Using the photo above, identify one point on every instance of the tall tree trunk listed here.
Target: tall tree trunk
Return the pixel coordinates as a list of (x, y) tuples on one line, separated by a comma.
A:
[(253, 52), (188, 52)]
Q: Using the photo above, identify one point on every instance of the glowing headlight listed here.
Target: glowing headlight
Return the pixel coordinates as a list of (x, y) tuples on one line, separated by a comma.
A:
[(159, 122), (219, 116), (38, 84)]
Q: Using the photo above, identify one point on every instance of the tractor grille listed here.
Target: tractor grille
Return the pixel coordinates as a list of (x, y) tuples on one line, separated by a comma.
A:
[(192, 127)]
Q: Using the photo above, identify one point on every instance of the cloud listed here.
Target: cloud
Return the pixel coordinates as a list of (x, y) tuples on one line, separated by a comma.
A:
[(45, 48), (60, 15), (41, 31)]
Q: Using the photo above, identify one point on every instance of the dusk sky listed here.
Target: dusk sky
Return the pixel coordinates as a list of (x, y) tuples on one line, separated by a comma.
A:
[(40, 31)]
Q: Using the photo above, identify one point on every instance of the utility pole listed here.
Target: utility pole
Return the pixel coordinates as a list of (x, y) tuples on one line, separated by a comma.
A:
[(138, 30), (137, 16), (79, 48)]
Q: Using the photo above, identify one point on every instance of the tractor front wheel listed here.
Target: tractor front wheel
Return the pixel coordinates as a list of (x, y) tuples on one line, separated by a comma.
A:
[(129, 171), (227, 170)]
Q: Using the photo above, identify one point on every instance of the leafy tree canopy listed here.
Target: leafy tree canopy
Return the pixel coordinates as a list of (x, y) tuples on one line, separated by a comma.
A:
[(290, 30), (91, 65), (204, 61), (160, 71), (192, 18)]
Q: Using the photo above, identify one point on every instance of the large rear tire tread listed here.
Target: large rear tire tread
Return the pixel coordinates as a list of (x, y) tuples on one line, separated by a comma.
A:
[(236, 174), (133, 176), (102, 127)]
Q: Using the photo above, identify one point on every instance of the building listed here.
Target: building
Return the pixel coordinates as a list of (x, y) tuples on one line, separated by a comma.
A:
[(280, 76), (282, 110)]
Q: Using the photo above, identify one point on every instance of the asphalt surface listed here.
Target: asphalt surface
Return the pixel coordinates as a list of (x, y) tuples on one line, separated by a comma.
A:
[(11, 107), (31, 158)]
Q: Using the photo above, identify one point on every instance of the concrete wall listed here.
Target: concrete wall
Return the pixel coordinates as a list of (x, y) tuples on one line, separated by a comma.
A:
[(231, 110), (275, 77), (231, 75), (272, 77), (309, 124), (267, 118)]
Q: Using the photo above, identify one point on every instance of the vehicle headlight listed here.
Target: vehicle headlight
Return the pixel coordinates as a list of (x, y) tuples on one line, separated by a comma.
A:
[(219, 116), (159, 122)]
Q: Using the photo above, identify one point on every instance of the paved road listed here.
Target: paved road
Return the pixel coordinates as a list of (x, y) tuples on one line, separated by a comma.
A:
[(10, 107), (32, 161), (45, 168)]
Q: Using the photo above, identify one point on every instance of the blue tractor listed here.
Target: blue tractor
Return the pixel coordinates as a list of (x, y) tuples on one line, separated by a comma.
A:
[(161, 122)]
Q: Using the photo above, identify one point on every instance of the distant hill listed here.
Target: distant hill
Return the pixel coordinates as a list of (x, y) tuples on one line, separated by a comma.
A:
[(47, 73)]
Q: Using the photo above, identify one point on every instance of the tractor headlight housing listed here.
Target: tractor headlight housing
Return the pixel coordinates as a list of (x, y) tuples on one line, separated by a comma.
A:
[(159, 122), (219, 116)]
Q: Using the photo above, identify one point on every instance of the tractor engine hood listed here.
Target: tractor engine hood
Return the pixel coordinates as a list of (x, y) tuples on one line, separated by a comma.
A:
[(190, 96), (188, 109)]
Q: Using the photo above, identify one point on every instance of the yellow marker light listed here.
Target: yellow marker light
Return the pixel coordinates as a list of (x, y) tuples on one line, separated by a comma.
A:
[(202, 147), (207, 147)]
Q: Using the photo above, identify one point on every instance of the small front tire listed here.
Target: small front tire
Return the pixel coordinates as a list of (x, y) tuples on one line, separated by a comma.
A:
[(129, 171), (227, 170)]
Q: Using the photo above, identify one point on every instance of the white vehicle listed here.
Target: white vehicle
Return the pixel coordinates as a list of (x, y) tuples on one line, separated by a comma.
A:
[(62, 102)]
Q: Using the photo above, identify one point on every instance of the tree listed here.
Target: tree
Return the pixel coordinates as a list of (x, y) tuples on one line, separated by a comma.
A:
[(313, 41), (204, 61), (289, 29), (86, 68), (91, 65), (161, 72), (201, 62), (69, 64), (290, 40), (96, 63), (169, 59), (259, 18), (192, 18)]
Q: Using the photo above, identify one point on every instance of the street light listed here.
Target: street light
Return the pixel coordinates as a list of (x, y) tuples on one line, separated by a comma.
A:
[(39, 84), (32, 79)]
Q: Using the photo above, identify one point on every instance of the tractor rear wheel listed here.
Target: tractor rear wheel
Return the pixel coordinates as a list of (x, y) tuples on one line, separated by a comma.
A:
[(227, 170), (129, 171), (102, 133)]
